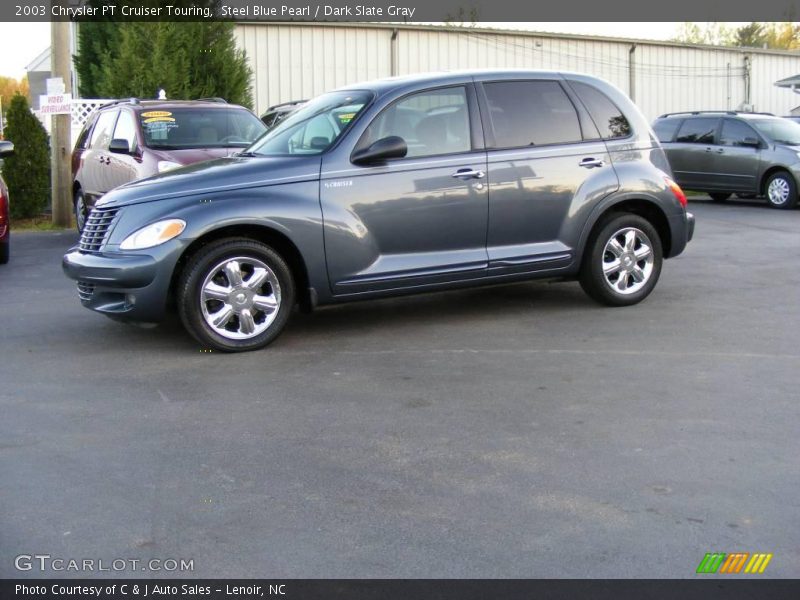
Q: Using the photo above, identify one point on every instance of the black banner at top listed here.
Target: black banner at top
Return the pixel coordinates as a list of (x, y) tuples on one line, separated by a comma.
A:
[(408, 11)]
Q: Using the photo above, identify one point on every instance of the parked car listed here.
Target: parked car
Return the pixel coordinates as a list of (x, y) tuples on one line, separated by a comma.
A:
[(131, 139), (392, 187), (6, 148), (276, 114), (727, 152)]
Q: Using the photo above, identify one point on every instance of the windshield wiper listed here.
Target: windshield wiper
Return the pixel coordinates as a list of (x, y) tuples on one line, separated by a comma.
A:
[(246, 154)]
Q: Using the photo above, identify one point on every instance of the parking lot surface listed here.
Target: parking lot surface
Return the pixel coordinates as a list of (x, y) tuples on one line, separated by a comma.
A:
[(517, 431)]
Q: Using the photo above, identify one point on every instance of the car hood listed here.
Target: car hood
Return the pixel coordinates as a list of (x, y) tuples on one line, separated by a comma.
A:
[(190, 156), (220, 175)]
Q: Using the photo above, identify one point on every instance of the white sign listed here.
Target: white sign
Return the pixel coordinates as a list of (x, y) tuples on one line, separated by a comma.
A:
[(55, 86), (57, 104)]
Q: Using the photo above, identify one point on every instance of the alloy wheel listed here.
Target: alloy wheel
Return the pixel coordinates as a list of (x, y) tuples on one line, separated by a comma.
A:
[(628, 260), (778, 191), (240, 298)]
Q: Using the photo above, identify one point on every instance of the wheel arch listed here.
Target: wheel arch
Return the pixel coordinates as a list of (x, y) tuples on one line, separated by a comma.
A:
[(647, 209), (260, 233), (762, 186)]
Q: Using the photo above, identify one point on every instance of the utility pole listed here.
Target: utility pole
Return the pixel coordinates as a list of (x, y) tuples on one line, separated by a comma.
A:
[(60, 140)]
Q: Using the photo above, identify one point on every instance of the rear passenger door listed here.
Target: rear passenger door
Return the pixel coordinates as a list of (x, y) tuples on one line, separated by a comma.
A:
[(539, 162), (691, 155)]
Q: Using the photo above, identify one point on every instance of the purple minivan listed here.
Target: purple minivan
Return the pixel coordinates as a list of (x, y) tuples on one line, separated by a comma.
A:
[(131, 139)]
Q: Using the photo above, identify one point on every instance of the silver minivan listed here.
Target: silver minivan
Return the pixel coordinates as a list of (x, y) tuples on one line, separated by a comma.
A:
[(728, 152)]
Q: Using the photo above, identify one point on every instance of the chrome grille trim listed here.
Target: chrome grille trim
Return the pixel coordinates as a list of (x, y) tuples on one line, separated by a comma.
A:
[(85, 290), (95, 232)]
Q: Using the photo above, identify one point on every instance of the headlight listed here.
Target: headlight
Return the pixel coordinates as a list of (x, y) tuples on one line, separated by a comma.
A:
[(167, 165), (153, 235)]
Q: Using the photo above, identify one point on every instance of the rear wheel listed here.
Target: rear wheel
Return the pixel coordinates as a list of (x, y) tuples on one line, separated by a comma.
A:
[(622, 261), (81, 211), (781, 190), (718, 197), (235, 295)]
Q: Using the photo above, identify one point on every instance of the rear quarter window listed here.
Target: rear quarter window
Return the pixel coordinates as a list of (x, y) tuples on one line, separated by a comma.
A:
[(605, 114)]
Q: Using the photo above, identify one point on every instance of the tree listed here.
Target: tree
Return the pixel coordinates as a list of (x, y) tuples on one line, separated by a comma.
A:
[(97, 41), (781, 36), (27, 171), (10, 86), (187, 59)]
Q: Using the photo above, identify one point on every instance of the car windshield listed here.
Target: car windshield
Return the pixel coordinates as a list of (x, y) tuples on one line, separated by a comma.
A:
[(197, 127), (781, 131), (313, 128)]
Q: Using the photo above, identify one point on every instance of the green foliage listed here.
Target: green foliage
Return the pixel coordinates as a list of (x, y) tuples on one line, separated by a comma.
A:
[(187, 59), (27, 171), (779, 36)]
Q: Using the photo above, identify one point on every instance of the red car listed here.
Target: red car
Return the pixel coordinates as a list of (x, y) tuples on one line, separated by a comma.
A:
[(6, 148), (132, 139)]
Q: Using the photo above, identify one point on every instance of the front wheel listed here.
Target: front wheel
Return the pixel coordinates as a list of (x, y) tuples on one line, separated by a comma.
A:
[(235, 295), (622, 262), (781, 190)]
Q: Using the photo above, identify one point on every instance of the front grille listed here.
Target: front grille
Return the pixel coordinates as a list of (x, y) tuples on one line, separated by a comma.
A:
[(85, 290), (98, 224)]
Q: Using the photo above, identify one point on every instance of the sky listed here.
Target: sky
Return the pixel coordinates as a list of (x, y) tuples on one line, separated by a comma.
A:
[(28, 40)]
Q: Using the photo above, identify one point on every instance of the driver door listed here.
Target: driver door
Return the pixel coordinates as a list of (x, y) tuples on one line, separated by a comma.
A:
[(415, 221)]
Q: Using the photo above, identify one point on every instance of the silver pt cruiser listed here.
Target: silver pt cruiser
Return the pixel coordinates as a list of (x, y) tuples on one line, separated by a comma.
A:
[(391, 187)]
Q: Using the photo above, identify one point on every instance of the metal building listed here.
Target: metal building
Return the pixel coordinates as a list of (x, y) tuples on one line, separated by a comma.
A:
[(295, 61)]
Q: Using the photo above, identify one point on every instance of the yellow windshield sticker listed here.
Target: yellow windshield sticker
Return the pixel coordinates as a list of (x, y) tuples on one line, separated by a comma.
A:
[(159, 120), (156, 113)]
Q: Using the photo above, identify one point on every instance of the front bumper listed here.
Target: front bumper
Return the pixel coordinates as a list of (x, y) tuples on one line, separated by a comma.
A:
[(131, 287)]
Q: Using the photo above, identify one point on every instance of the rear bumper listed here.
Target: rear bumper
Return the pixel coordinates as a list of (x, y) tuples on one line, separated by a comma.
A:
[(681, 227), (122, 286)]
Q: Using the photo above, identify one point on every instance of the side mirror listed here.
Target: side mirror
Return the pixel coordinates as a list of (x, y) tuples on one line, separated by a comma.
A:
[(385, 148), (119, 146), (751, 142), (6, 148)]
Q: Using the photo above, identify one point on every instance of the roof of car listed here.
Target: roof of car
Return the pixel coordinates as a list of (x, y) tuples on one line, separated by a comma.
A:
[(710, 113), (140, 104), (444, 77)]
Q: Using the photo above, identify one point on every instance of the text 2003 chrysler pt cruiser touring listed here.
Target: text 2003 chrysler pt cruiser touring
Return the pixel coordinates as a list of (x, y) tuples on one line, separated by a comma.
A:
[(396, 186)]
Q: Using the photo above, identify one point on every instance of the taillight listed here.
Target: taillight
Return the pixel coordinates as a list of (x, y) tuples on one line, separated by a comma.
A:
[(677, 191)]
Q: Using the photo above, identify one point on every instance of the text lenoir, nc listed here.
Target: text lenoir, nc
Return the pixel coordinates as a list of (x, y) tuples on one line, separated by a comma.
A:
[(314, 11)]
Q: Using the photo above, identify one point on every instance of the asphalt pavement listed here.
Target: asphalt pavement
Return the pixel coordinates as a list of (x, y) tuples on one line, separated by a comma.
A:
[(515, 431)]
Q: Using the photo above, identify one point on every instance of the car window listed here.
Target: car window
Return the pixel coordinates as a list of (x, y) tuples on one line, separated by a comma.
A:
[(781, 131), (126, 129), (431, 122), (735, 132), (531, 113), (697, 131), (198, 127), (101, 134), (83, 137), (608, 118), (313, 128), (665, 129)]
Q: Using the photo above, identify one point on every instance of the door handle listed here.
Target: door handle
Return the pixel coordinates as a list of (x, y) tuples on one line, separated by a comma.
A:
[(469, 174), (590, 163)]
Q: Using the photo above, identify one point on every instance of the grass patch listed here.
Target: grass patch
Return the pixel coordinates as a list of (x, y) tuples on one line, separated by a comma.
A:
[(43, 223)]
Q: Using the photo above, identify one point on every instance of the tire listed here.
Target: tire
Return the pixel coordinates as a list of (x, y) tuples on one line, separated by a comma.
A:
[(718, 197), (781, 190), (208, 291), (5, 252), (601, 281), (80, 210)]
